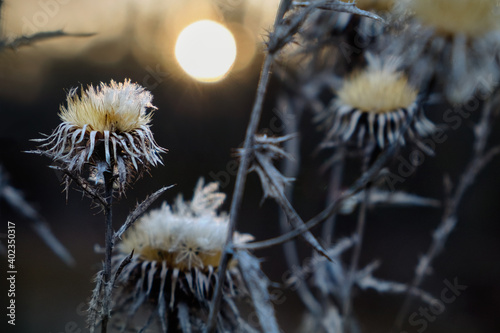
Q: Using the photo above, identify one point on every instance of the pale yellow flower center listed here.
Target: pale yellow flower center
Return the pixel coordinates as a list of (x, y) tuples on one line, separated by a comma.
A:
[(377, 91), (117, 107), (471, 17), (100, 120), (199, 260)]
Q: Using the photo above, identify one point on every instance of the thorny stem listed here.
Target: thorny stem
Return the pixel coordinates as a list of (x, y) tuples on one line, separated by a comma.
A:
[(238, 192), (478, 161), (340, 6), (108, 180), (242, 173), (333, 208), (334, 192), (138, 212), (292, 215), (38, 36), (246, 157), (81, 183), (291, 169), (360, 230), (15, 199)]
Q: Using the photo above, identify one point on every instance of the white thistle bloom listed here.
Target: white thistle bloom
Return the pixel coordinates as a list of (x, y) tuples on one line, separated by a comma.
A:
[(177, 250), (374, 104), (107, 128), (457, 42)]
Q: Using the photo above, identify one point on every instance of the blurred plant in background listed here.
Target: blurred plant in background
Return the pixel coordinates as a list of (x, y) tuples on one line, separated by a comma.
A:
[(373, 88)]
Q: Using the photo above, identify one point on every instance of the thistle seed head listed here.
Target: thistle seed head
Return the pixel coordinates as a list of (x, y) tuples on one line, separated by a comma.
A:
[(177, 250), (105, 129), (473, 18), (375, 104)]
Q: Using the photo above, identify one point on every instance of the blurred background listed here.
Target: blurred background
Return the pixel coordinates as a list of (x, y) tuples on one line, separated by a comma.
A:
[(201, 119)]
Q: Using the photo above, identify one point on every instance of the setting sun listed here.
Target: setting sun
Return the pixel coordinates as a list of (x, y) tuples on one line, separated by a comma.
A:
[(206, 50)]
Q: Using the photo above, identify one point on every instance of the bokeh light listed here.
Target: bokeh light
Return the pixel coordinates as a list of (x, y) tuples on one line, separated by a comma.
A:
[(206, 50)]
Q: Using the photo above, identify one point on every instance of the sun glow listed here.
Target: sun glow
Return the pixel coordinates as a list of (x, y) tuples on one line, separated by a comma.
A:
[(206, 50)]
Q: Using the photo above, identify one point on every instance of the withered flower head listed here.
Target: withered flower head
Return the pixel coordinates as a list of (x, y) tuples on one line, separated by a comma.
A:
[(474, 18), (455, 42), (105, 129), (177, 250), (374, 104)]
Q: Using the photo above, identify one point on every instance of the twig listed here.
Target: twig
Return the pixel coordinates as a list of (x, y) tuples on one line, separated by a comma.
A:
[(238, 189), (241, 176), (42, 229), (124, 263), (286, 206), (14, 198), (139, 210), (95, 304), (366, 280), (39, 36), (108, 183), (334, 192), (339, 6), (333, 208), (80, 182), (258, 285), (276, 42), (360, 230), (290, 170), (478, 161)]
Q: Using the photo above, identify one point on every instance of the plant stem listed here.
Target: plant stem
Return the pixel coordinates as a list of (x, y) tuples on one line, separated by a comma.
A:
[(334, 192), (291, 169), (108, 212), (241, 176), (332, 208), (360, 230), (479, 159), (238, 190)]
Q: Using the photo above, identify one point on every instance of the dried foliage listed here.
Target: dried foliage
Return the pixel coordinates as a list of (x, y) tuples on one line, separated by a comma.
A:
[(365, 75)]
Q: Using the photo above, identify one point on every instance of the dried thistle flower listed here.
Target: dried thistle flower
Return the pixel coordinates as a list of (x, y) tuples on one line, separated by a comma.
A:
[(328, 45), (176, 255), (474, 18), (374, 104), (455, 41), (106, 129)]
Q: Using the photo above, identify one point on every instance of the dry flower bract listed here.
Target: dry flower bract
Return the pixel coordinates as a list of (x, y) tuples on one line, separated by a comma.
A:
[(474, 18), (177, 251), (375, 104), (106, 129), (454, 42)]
